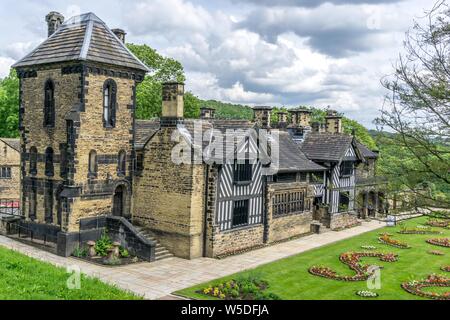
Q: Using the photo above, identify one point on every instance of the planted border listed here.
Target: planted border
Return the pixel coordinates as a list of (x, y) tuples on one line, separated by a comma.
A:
[(416, 287), (353, 261), (386, 239), (442, 242)]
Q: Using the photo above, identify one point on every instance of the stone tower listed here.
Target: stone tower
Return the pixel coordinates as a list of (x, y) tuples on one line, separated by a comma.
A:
[(77, 103)]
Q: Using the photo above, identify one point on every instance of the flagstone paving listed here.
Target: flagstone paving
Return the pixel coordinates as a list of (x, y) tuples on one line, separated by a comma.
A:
[(159, 279)]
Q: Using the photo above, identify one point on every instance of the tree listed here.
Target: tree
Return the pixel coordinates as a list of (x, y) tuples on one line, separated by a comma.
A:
[(9, 106), (417, 110), (149, 92)]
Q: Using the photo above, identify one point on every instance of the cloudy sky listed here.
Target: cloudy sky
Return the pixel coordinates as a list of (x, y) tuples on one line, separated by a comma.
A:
[(256, 52)]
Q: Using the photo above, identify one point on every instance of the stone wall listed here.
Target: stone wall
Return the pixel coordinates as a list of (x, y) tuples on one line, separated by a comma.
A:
[(34, 134), (232, 241), (168, 198), (293, 224), (10, 158), (285, 227), (343, 220)]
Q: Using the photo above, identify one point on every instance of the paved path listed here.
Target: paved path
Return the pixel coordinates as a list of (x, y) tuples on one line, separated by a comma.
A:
[(159, 279)]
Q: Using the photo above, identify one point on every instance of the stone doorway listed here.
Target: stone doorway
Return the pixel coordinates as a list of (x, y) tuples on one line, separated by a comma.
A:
[(119, 201)]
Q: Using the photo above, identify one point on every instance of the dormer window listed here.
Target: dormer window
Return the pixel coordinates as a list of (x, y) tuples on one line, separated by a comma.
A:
[(347, 168), (242, 172), (49, 104), (109, 104)]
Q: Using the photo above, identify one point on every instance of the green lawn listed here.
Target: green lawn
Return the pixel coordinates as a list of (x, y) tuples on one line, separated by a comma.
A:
[(290, 280), (24, 278)]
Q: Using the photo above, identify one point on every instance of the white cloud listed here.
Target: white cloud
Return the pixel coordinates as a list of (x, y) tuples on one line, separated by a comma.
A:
[(5, 66)]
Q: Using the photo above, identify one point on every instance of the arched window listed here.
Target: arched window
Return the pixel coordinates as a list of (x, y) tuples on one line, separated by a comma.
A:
[(33, 160), (109, 103), (122, 163), (49, 104), (49, 169), (93, 166)]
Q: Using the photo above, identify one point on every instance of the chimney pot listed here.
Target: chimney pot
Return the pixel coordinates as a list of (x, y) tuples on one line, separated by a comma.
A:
[(207, 113), (333, 122), (172, 103), (262, 115), (54, 21), (120, 33)]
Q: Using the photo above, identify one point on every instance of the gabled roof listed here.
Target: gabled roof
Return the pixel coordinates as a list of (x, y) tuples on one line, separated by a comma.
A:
[(366, 152), (291, 158), (144, 130), (13, 143), (83, 38), (326, 146)]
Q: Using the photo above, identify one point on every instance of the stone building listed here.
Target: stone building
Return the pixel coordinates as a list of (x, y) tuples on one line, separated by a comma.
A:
[(77, 102), (9, 169), (178, 186)]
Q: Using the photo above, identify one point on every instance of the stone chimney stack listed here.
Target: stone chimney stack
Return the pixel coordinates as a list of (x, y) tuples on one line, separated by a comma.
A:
[(262, 116), (120, 33), (54, 21), (301, 117), (207, 113), (282, 117), (172, 104), (333, 122)]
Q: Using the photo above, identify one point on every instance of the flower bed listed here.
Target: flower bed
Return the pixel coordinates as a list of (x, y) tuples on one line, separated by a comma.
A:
[(368, 247), (249, 288), (438, 223), (446, 268), (436, 253), (386, 239), (105, 252), (419, 230), (353, 261), (442, 242), (416, 287), (367, 294)]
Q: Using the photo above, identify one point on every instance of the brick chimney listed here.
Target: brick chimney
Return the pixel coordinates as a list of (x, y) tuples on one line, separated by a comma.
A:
[(120, 33), (54, 21), (301, 117), (172, 104), (207, 113), (333, 122), (262, 116)]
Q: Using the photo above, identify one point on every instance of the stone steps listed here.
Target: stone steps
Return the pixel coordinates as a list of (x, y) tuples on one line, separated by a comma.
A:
[(161, 252), (323, 228)]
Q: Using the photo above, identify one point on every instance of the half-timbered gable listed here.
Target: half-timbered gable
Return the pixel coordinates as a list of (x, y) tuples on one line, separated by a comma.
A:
[(339, 153)]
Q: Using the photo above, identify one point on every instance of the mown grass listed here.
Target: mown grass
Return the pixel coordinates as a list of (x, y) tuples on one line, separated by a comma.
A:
[(24, 278), (290, 279)]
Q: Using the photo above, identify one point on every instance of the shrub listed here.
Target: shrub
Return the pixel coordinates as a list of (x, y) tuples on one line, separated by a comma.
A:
[(102, 245), (80, 252)]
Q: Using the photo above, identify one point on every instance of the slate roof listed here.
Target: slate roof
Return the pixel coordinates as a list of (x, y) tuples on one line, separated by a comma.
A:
[(292, 159), (326, 146), (13, 143), (366, 152), (145, 129), (84, 38)]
